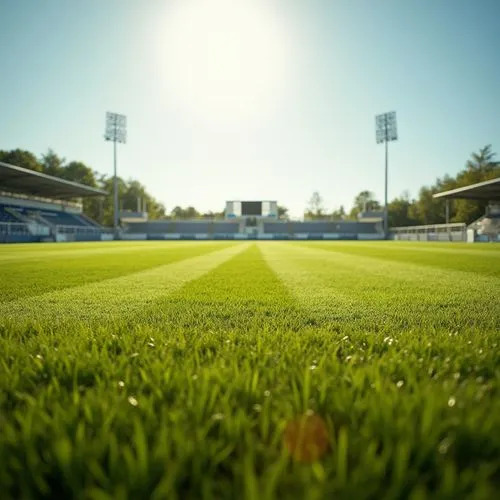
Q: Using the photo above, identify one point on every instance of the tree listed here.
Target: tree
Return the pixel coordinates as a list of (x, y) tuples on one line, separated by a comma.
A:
[(135, 197), (482, 161), (21, 158), (282, 212), (364, 201), (399, 211), (76, 171), (315, 206), (212, 215), (339, 214), (185, 213), (52, 164), (427, 210), (480, 167)]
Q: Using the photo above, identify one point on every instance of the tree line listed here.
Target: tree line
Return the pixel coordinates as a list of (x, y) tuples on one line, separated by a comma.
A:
[(424, 209), (403, 211), (98, 208)]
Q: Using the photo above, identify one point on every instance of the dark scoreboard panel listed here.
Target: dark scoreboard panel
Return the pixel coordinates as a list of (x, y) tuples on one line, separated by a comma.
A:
[(251, 208)]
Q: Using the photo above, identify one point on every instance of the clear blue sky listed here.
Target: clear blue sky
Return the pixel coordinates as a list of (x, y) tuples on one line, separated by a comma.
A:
[(254, 99)]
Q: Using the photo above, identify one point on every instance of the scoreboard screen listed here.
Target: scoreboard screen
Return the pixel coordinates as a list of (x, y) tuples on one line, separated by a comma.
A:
[(268, 209), (251, 208)]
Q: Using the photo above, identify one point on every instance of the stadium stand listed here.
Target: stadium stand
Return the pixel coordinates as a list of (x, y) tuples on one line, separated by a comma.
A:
[(431, 232), (40, 207), (180, 229), (225, 227), (49, 217), (266, 226), (194, 227), (340, 229), (486, 228), (6, 216), (278, 228)]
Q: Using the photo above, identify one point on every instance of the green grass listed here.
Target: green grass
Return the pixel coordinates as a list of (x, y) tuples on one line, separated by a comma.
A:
[(171, 370)]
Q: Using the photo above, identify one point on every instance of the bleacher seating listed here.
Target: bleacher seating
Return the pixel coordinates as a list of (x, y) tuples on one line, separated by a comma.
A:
[(182, 227), (490, 225), (89, 221), (62, 219), (367, 227), (279, 229), (314, 228), (192, 227), (276, 228), (138, 228), (324, 227), (225, 228), (51, 217), (5, 216)]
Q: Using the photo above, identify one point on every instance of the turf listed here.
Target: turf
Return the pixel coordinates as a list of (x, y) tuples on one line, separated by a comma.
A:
[(174, 370)]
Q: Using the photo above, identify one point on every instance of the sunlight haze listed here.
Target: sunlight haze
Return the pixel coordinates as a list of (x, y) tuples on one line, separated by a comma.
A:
[(253, 99)]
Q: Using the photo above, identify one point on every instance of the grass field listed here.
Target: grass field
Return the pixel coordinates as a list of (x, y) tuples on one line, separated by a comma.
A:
[(190, 370)]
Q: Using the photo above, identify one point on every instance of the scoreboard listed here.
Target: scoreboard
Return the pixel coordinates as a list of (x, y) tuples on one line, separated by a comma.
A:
[(251, 208), (268, 209)]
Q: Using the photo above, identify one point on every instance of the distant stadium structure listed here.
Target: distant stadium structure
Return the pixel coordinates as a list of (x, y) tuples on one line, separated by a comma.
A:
[(39, 207), (35, 207), (256, 220), (484, 229)]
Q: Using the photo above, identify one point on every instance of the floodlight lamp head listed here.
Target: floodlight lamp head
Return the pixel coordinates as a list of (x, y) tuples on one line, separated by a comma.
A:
[(116, 127), (386, 127)]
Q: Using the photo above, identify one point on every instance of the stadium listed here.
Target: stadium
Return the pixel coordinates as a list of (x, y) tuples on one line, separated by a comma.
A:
[(35, 207), (178, 321), (298, 356)]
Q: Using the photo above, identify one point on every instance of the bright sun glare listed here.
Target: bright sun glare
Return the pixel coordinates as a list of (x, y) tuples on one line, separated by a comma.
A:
[(227, 59)]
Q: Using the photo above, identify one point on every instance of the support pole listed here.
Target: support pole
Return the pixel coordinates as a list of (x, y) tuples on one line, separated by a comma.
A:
[(386, 130), (386, 208), (115, 187), (448, 218), (116, 131)]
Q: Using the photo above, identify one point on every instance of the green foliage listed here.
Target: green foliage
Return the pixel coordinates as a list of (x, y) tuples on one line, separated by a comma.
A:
[(315, 208), (21, 158), (98, 209), (185, 213), (364, 201), (52, 164), (282, 212), (480, 167), (425, 209), (402, 210), (170, 370), (339, 213)]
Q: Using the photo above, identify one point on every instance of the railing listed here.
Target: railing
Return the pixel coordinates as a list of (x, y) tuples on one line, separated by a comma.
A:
[(431, 232), (14, 228), (80, 230)]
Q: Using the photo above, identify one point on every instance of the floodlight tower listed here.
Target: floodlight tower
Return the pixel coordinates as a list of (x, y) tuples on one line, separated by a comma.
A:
[(116, 131), (386, 130)]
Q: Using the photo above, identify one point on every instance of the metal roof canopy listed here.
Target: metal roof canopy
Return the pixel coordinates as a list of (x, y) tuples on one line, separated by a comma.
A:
[(24, 181), (485, 191)]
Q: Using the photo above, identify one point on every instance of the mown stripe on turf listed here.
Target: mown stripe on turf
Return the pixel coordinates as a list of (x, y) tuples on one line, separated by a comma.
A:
[(240, 295), (50, 273), (459, 258), (118, 298), (396, 269), (78, 250), (338, 288)]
